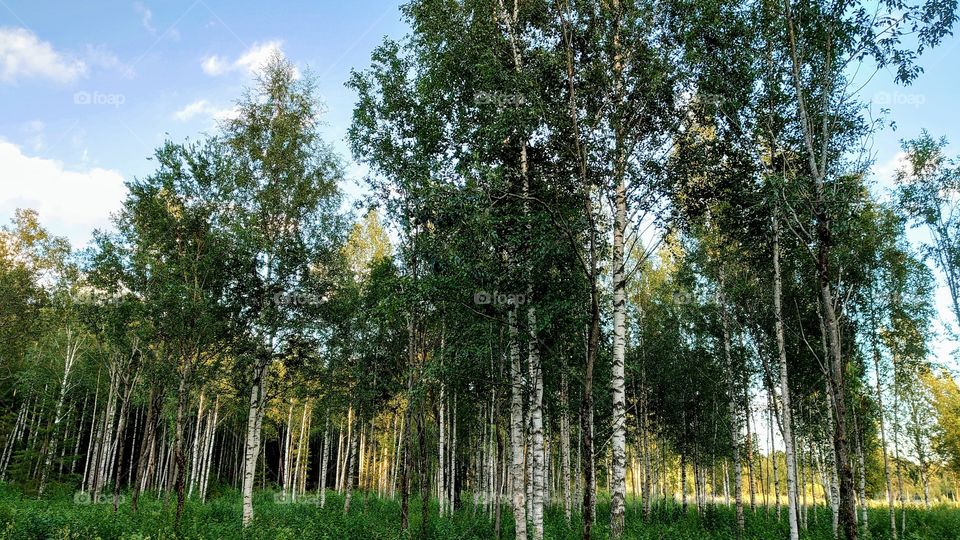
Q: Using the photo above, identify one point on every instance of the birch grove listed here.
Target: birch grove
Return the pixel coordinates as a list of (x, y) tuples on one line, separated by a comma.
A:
[(617, 270)]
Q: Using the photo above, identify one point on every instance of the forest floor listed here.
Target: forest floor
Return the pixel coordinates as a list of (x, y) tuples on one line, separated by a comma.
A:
[(63, 515)]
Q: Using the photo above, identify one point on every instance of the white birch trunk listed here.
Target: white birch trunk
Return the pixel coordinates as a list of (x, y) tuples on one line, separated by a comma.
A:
[(536, 429), (296, 468), (785, 412), (348, 468), (441, 416), (210, 440), (322, 487), (734, 414), (70, 357), (451, 492), (252, 444), (565, 446), (617, 475), (516, 430), (194, 450)]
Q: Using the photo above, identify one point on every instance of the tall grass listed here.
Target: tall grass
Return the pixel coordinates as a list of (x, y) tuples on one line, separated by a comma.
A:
[(59, 516)]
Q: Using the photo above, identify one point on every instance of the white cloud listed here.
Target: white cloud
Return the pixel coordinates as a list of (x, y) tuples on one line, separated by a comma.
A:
[(146, 20), (70, 202), (146, 17), (214, 65), (23, 56), (250, 61), (191, 110), (102, 57), (255, 57), (203, 108), (885, 173)]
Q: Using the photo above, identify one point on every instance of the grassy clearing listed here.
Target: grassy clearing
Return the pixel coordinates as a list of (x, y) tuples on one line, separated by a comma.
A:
[(60, 517)]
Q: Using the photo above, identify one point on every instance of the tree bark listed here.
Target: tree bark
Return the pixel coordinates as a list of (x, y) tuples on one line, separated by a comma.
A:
[(252, 445), (516, 429), (565, 445), (786, 413), (536, 428), (734, 414)]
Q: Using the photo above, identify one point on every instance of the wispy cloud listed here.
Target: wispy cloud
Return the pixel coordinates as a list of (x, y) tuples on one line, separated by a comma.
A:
[(204, 108), (886, 173), (146, 17), (249, 61), (101, 57)]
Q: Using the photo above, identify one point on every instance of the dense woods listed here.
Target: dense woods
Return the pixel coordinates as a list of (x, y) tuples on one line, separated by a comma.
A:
[(614, 260)]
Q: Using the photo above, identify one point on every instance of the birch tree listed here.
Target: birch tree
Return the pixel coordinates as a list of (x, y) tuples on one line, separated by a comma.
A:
[(286, 226)]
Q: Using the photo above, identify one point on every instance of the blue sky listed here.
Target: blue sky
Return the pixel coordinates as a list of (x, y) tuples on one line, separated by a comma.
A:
[(87, 93)]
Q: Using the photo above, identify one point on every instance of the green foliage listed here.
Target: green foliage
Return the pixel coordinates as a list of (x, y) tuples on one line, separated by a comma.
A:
[(60, 517), (928, 187)]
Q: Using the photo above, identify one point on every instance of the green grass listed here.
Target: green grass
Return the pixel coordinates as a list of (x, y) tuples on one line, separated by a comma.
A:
[(59, 516)]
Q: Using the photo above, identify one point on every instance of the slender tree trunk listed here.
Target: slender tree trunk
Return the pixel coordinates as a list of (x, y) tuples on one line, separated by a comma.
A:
[(284, 464), (120, 446), (252, 445), (785, 412), (773, 458), (70, 356), (683, 480), (441, 452), (211, 438), (883, 443), (617, 383), (846, 505), (408, 419), (300, 443), (830, 471), (734, 416), (349, 465), (422, 465), (865, 518), (516, 429), (322, 484), (452, 488), (195, 448), (645, 441), (78, 437), (338, 463), (565, 445), (750, 477), (589, 470), (180, 458), (536, 428), (18, 427), (105, 436), (147, 464), (823, 239)]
